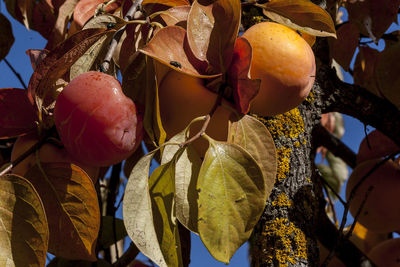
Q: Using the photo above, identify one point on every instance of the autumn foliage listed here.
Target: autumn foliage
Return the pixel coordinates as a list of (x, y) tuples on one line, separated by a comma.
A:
[(205, 88)]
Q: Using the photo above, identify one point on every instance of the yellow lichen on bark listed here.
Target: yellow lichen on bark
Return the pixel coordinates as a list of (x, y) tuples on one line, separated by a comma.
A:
[(289, 242), (282, 200), (283, 157)]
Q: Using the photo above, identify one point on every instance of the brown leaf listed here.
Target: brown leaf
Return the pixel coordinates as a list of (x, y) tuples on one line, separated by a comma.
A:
[(345, 45), (167, 2), (212, 31), (175, 15), (72, 209), (244, 88), (373, 17), (57, 63), (301, 15), (85, 9), (364, 69), (17, 114), (24, 233), (6, 36), (36, 56), (169, 46)]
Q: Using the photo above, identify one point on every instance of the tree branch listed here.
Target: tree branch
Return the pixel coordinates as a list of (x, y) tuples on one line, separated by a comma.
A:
[(126, 258), (16, 73)]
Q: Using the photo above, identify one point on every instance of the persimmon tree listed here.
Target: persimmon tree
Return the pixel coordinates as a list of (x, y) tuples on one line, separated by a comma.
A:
[(233, 121)]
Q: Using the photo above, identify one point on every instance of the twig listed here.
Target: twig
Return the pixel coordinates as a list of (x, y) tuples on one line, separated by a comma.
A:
[(126, 258), (333, 190), (330, 202), (117, 36), (15, 73)]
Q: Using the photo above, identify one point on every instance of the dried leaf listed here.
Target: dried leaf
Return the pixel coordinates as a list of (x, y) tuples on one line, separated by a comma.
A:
[(231, 198), (162, 193), (18, 115), (85, 9), (254, 137), (169, 46), (244, 88), (174, 15), (24, 233), (301, 15), (36, 56), (72, 209), (373, 17), (345, 45), (105, 22), (212, 31), (6, 36), (138, 214), (111, 225), (57, 62), (166, 2)]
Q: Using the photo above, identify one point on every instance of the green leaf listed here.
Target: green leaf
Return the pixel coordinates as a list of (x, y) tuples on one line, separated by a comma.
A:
[(111, 225), (187, 167), (72, 209), (301, 15), (254, 137), (231, 198), (6, 36), (138, 214), (162, 192), (24, 233)]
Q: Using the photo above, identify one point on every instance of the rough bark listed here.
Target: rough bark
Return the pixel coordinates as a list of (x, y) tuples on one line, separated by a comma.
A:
[(294, 217)]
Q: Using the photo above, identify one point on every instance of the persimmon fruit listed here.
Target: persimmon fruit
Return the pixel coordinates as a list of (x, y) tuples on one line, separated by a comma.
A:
[(284, 62), (380, 213), (184, 98), (48, 153), (376, 145), (97, 123), (386, 254)]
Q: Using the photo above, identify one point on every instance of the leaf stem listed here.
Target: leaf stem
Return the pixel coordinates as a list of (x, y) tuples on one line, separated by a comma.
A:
[(15, 73)]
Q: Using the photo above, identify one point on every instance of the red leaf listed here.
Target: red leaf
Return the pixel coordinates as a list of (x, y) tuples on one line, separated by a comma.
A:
[(167, 2), (175, 15), (245, 89), (85, 9), (17, 114), (345, 45), (169, 46)]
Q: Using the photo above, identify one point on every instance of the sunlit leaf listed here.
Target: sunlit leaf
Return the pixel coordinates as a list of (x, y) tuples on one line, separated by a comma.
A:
[(244, 88), (24, 233), (105, 21), (6, 36), (254, 137), (187, 167), (212, 31), (113, 230), (301, 15), (175, 15), (167, 2), (72, 209), (345, 45), (57, 62), (162, 191), (169, 45), (138, 214), (18, 115), (85, 9), (231, 198)]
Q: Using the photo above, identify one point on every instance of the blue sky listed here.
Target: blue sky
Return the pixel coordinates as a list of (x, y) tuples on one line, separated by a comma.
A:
[(199, 257)]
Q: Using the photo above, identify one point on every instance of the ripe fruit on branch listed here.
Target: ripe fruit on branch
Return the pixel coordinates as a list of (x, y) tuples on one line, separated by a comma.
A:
[(97, 123), (376, 145), (183, 98), (48, 153), (380, 213), (284, 62)]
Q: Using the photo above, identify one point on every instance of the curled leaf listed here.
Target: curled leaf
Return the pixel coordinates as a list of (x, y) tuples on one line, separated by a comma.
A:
[(301, 15)]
